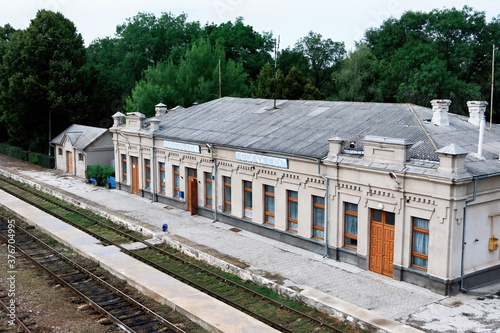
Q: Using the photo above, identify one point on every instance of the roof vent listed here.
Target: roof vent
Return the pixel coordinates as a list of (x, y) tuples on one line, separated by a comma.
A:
[(160, 109), (440, 108), (476, 111)]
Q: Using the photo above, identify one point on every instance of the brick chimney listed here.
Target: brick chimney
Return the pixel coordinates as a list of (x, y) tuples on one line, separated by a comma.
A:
[(476, 111), (440, 108)]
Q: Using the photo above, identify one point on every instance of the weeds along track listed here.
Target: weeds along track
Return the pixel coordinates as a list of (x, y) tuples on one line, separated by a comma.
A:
[(118, 307), (18, 322), (262, 304)]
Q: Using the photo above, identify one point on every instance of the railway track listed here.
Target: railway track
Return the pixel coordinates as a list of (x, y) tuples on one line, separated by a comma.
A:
[(274, 313), (119, 308)]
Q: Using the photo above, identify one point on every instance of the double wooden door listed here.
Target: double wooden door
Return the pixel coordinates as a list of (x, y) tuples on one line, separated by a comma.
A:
[(382, 242)]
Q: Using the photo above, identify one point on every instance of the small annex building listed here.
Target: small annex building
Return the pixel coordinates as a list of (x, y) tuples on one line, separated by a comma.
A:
[(80, 146), (405, 191)]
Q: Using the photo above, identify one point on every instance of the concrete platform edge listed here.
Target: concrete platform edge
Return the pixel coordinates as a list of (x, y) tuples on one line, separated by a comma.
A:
[(331, 305)]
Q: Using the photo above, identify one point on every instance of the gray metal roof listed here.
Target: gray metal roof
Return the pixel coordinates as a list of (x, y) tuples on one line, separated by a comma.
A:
[(303, 127), (80, 136)]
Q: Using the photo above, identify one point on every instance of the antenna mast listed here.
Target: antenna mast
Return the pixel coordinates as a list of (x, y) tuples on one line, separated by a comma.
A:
[(220, 83), (276, 48), (492, 81)]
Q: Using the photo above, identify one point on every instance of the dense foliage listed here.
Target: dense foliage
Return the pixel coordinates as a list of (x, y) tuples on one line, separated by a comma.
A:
[(49, 79)]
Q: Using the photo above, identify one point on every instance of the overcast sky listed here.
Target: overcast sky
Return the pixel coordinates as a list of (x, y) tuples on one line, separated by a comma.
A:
[(339, 20)]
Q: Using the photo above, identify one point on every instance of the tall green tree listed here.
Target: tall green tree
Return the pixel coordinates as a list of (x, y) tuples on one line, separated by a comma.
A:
[(195, 79), (358, 78), (264, 85), (289, 58), (441, 54), (324, 56), (43, 80), (242, 44), (297, 86)]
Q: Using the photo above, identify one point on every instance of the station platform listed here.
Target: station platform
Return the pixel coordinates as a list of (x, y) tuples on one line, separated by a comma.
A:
[(362, 297)]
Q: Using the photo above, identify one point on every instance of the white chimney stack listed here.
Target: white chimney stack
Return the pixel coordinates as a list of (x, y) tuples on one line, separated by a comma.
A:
[(118, 119), (476, 111), (154, 124), (160, 109), (440, 108)]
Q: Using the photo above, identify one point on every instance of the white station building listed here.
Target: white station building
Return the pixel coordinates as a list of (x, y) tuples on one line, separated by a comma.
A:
[(409, 192)]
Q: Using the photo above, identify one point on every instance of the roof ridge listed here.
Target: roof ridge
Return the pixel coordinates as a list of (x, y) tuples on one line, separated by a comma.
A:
[(422, 126)]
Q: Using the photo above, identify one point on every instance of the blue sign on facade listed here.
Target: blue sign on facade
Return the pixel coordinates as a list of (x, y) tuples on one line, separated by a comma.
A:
[(272, 161), (190, 148)]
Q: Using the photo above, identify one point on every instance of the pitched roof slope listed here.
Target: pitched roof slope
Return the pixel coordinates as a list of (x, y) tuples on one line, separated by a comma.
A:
[(80, 136), (303, 127)]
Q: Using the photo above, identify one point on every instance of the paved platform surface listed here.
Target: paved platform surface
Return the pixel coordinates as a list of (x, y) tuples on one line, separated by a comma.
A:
[(363, 292)]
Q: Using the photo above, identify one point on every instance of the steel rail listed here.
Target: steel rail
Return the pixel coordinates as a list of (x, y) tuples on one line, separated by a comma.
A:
[(167, 271), (95, 278), (17, 319)]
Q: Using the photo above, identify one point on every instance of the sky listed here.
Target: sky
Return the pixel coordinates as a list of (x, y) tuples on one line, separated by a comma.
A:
[(343, 21)]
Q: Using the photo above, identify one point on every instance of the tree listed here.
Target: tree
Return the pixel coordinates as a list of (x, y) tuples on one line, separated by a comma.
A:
[(297, 86), (358, 78), (143, 41), (264, 85), (195, 79), (441, 54), (43, 80), (289, 58), (242, 44), (324, 57)]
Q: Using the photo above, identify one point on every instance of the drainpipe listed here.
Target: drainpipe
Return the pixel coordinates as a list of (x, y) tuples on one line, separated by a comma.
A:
[(55, 156), (153, 164), (84, 163), (326, 208), (214, 181), (476, 178), (481, 136)]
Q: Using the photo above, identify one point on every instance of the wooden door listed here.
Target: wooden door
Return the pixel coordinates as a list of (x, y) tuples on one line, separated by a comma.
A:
[(135, 175), (382, 242), (69, 161), (192, 195)]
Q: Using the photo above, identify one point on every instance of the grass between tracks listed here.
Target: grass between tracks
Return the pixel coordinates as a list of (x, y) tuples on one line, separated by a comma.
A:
[(276, 314)]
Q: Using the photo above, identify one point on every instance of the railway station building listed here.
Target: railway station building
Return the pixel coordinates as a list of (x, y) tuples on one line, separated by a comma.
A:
[(405, 191)]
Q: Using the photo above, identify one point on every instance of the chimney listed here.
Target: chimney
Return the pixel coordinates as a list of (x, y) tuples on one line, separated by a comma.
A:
[(476, 111), (154, 124), (440, 109), (335, 146), (135, 121), (118, 119), (452, 159), (160, 109)]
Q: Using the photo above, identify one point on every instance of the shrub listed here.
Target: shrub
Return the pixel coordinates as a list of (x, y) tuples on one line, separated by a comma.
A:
[(100, 173), (42, 160)]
